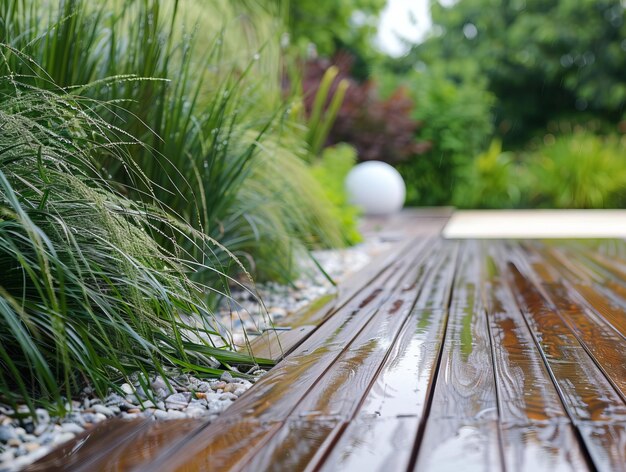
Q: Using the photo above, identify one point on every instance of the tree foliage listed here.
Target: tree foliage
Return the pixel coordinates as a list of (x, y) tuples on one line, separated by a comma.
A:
[(544, 59), (328, 24)]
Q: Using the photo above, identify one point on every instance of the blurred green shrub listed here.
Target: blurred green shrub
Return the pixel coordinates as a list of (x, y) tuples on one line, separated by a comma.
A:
[(331, 170), (455, 119), (577, 171), (488, 181)]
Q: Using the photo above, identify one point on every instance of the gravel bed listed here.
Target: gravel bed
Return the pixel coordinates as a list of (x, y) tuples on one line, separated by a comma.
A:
[(23, 442)]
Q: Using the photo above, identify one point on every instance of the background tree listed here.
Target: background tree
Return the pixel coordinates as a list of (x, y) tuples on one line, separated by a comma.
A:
[(544, 60)]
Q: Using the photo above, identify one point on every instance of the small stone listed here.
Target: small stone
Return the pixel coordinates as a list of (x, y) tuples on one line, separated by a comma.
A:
[(127, 389), (45, 438), (201, 395), (64, 437), (14, 442), (31, 446), (132, 399), (226, 377), (20, 431), (175, 415), (228, 396), (197, 403), (160, 405), (114, 400), (240, 391), (203, 387), (158, 383), (219, 386), (133, 411), (178, 401), (195, 412), (6, 456), (229, 388), (71, 428), (41, 429), (277, 312), (103, 410), (7, 433), (89, 417), (160, 415), (147, 404), (42, 415), (99, 417), (148, 412)]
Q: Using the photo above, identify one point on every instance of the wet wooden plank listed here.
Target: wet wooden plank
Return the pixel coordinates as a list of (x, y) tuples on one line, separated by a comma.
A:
[(465, 387), (344, 384), (144, 446), (542, 447), (225, 447), (452, 445), (587, 394), (400, 390), (373, 444), (526, 393), (536, 432), (92, 446), (461, 428), (600, 291), (298, 445), (608, 441), (276, 344)]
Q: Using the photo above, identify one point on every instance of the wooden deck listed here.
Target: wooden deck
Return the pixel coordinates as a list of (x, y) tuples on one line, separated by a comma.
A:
[(446, 355)]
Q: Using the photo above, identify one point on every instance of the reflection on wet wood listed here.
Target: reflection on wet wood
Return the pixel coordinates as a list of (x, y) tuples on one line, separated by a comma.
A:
[(373, 444), (526, 393), (92, 446), (146, 445), (542, 447), (345, 383), (465, 388), (587, 394), (453, 445), (223, 445), (276, 344), (461, 429), (608, 445), (296, 446)]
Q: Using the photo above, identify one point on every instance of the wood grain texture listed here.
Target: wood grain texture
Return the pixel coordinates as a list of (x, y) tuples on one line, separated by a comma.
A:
[(461, 430), (276, 344), (453, 445), (526, 393), (373, 444), (585, 391), (542, 447), (465, 386), (92, 446)]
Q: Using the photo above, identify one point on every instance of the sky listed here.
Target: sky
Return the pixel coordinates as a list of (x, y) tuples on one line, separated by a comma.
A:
[(408, 19)]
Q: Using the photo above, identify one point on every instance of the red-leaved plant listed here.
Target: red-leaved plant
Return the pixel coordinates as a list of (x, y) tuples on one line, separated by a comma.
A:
[(380, 129)]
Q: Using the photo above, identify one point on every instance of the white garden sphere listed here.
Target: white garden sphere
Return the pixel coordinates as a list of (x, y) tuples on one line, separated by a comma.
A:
[(376, 187)]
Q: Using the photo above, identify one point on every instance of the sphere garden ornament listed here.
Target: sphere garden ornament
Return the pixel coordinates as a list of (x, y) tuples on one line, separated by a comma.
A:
[(376, 187)]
